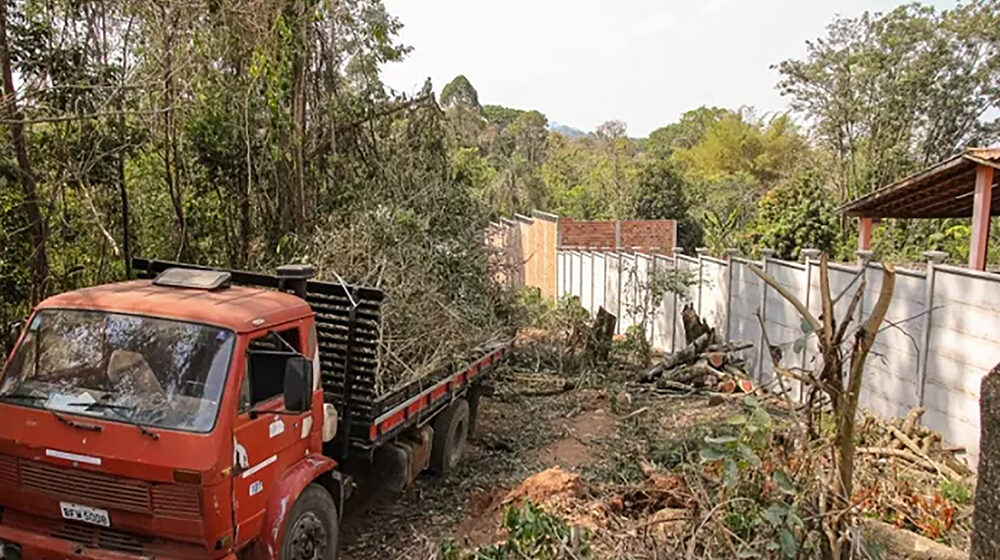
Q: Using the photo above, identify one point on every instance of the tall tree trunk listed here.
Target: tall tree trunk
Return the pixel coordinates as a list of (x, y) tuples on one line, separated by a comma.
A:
[(170, 152), (29, 186), (986, 523), (123, 192), (300, 63)]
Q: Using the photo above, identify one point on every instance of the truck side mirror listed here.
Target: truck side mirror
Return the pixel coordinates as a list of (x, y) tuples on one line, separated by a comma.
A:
[(298, 384)]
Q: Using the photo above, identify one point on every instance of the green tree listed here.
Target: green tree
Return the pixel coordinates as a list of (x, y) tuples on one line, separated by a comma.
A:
[(891, 93), (501, 116), (795, 215), (662, 194), (459, 91), (739, 157), (685, 133)]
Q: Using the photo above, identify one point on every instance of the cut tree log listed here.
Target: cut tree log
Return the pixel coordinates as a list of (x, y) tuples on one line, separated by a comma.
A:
[(698, 374), (900, 544), (910, 423), (717, 359), (915, 449), (686, 355)]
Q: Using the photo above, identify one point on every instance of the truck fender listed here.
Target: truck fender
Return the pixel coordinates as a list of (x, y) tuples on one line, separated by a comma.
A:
[(286, 490)]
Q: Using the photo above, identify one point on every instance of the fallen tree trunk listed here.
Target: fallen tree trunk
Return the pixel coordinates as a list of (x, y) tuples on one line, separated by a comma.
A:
[(688, 354), (900, 544)]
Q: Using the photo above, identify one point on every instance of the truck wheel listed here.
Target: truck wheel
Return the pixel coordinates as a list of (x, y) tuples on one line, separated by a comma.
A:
[(451, 428), (474, 395), (311, 529)]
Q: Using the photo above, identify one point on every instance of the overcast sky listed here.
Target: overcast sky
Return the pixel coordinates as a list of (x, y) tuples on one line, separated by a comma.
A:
[(582, 62)]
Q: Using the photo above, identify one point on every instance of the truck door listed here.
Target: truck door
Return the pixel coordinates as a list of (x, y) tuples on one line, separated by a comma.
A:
[(266, 443)]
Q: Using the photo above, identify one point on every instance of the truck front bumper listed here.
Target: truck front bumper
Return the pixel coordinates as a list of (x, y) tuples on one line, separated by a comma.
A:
[(18, 544)]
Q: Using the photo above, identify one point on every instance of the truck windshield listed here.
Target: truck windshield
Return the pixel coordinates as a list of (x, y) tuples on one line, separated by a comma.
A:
[(143, 370)]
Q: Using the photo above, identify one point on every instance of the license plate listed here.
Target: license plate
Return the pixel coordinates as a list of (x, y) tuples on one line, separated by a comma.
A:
[(94, 516)]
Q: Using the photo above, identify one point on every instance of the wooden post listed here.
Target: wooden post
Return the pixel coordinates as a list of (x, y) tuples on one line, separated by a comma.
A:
[(765, 256), (934, 258), (730, 253), (981, 217), (865, 234)]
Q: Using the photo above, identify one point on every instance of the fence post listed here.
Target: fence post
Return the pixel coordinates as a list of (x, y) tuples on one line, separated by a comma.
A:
[(934, 258), (702, 252), (811, 256), (652, 270), (673, 319), (618, 312), (730, 253), (605, 294), (569, 271), (864, 257), (766, 255), (593, 273), (560, 273)]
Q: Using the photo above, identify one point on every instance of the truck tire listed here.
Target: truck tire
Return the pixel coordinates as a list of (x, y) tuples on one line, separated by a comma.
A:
[(451, 429), (312, 528), (474, 395)]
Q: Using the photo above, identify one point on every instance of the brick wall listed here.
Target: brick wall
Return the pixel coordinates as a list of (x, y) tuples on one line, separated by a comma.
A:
[(574, 233), (646, 235), (649, 235)]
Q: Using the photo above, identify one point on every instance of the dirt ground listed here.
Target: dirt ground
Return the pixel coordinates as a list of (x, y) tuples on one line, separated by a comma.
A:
[(589, 431)]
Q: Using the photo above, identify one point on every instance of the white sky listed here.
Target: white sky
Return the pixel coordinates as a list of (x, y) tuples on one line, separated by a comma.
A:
[(582, 62)]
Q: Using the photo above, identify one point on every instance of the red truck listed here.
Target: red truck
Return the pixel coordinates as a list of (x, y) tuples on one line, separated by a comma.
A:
[(204, 413)]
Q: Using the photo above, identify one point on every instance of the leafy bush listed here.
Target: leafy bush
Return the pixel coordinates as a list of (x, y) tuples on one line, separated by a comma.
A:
[(635, 349), (763, 508), (956, 491), (531, 533)]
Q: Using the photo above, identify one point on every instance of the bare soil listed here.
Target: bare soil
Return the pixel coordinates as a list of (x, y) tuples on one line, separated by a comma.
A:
[(518, 436)]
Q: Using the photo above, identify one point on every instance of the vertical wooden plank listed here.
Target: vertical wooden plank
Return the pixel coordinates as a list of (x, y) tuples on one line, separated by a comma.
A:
[(865, 234), (981, 217)]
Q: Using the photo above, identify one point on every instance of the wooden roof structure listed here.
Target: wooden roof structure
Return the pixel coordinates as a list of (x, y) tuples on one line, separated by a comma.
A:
[(944, 190)]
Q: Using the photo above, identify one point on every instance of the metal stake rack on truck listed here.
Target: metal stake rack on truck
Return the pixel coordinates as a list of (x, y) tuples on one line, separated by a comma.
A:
[(205, 413)]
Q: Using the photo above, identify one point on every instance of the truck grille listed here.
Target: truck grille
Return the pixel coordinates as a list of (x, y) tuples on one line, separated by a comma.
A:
[(89, 536), (121, 493), (168, 500), (8, 471), (174, 500)]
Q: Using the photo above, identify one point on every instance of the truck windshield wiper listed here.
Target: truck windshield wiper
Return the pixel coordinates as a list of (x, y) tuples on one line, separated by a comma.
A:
[(21, 396), (60, 417), (120, 411)]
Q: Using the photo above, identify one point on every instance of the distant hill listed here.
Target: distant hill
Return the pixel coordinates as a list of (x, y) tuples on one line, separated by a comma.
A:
[(566, 130)]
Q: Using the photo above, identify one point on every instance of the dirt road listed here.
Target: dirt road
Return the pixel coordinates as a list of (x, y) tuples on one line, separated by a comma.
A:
[(585, 431)]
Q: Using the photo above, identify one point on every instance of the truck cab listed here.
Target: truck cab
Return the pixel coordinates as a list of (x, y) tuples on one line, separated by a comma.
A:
[(177, 418)]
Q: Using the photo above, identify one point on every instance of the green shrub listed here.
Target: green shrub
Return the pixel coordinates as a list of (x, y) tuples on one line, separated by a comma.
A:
[(531, 533)]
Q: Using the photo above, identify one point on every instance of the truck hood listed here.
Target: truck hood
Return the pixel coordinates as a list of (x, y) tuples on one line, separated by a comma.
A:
[(118, 448)]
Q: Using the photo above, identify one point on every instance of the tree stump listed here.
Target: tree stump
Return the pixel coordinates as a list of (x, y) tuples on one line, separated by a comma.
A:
[(986, 523), (601, 334), (694, 326)]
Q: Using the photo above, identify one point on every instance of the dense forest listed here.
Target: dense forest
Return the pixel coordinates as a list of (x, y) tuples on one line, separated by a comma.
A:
[(255, 132)]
